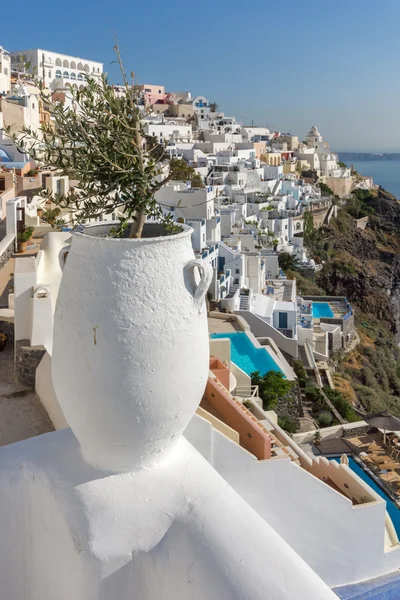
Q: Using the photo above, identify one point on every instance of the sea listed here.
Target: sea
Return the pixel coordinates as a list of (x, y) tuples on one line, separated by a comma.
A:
[(384, 172)]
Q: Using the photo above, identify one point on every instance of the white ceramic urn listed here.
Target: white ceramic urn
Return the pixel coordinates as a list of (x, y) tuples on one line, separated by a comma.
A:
[(131, 351)]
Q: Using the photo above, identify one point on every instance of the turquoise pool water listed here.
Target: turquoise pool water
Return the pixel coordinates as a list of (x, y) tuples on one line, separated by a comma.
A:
[(391, 507), (321, 309), (246, 356)]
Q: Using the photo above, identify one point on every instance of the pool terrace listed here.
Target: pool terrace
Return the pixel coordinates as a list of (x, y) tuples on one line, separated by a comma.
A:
[(381, 459), (338, 305)]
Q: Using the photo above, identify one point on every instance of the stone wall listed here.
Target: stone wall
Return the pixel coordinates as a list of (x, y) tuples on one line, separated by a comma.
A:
[(335, 340), (348, 328), (356, 431), (341, 186), (7, 252), (289, 406), (27, 359)]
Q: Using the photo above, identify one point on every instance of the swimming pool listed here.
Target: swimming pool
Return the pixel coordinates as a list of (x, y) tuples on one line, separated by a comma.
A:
[(391, 507), (321, 309), (246, 356)]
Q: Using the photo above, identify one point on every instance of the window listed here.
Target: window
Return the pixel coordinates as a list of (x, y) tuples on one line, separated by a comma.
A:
[(80, 77), (72, 76), (237, 271), (160, 133), (285, 226), (33, 106), (147, 90), (159, 91), (66, 75), (58, 62), (58, 74), (72, 64)]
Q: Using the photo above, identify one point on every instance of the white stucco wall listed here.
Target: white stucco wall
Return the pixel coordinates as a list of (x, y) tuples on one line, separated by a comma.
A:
[(341, 542), (24, 282), (45, 390), (116, 545)]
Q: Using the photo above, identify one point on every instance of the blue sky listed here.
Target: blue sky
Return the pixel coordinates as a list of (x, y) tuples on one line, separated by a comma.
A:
[(284, 64)]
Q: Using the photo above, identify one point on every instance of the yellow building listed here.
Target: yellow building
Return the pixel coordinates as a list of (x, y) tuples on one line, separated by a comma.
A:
[(273, 159), (289, 166)]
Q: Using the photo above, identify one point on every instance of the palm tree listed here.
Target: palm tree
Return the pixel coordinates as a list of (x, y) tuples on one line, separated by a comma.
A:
[(288, 262)]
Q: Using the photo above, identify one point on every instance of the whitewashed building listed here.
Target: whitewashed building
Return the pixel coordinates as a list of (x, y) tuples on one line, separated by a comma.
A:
[(57, 70), (5, 71)]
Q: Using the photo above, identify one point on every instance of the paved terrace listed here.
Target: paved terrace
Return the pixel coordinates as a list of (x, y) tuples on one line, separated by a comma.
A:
[(281, 289), (228, 325), (21, 414)]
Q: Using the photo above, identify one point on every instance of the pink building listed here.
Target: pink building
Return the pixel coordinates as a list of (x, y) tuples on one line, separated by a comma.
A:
[(152, 93)]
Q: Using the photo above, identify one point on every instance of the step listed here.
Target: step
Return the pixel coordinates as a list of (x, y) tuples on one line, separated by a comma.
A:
[(386, 587)]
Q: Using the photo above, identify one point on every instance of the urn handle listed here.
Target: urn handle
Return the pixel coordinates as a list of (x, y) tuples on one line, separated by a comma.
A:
[(62, 256), (205, 279)]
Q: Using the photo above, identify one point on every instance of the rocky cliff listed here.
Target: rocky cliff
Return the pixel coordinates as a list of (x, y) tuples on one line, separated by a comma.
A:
[(364, 266)]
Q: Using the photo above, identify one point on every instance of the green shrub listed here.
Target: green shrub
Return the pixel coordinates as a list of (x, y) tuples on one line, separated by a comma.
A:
[(299, 369), (287, 424), (311, 393), (271, 386), (325, 418), (341, 404)]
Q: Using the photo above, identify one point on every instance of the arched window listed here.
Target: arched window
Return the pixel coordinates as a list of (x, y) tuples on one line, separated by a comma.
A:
[(58, 62), (66, 75), (72, 64), (72, 76), (65, 63), (80, 66), (58, 74), (80, 77), (86, 68)]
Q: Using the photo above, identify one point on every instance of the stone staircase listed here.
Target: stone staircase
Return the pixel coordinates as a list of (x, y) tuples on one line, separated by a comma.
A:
[(244, 302)]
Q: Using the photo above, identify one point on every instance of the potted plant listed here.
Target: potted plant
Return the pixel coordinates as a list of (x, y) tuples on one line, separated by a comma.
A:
[(317, 438), (29, 232), (3, 339), (130, 321), (22, 240), (50, 215)]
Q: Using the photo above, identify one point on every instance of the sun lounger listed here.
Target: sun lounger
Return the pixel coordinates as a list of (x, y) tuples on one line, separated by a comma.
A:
[(390, 477), (356, 442)]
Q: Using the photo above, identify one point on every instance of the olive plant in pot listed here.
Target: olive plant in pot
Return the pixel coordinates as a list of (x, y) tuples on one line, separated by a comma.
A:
[(23, 238), (130, 349)]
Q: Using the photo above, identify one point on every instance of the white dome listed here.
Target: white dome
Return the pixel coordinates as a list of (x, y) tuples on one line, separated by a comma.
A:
[(4, 156), (313, 132)]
